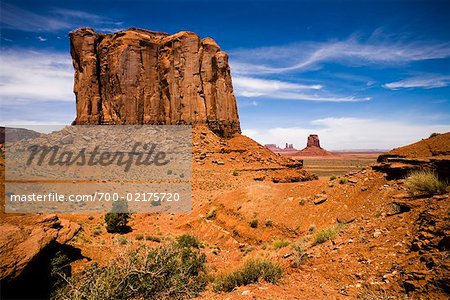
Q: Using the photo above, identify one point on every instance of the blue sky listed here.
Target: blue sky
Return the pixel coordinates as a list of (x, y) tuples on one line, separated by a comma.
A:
[(361, 74)]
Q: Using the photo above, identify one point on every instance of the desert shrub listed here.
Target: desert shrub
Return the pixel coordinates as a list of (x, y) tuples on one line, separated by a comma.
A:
[(235, 173), (188, 241), (434, 134), (268, 223), (333, 177), (277, 244), (117, 219), (153, 239), (167, 272), (424, 183), (253, 223), (323, 236), (251, 272), (312, 228), (299, 255), (302, 201), (59, 269), (212, 214), (139, 237), (122, 240), (342, 180)]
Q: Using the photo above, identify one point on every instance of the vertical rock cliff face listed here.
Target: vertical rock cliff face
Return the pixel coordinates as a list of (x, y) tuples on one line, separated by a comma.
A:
[(313, 140), (143, 77)]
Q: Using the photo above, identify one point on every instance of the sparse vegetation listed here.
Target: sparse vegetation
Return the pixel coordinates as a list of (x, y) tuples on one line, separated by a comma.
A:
[(212, 214), (139, 237), (188, 241), (235, 173), (302, 201), (117, 219), (343, 180), (153, 239), (425, 183), (434, 134), (122, 240), (268, 223), (333, 177), (323, 235), (299, 255), (312, 228), (248, 250), (281, 243), (252, 271), (174, 271), (253, 223)]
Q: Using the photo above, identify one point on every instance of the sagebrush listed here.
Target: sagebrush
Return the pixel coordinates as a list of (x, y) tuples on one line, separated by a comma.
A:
[(425, 183), (173, 271), (252, 271)]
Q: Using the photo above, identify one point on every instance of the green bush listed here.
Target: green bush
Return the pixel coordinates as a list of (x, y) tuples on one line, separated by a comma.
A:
[(299, 255), (169, 272), (434, 134), (277, 244), (425, 183), (59, 269), (342, 180), (333, 177), (268, 223), (235, 173), (117, 219), (253, 223), (188, 241), (153, 239), (251, 272), (212, 214), (323, 236)]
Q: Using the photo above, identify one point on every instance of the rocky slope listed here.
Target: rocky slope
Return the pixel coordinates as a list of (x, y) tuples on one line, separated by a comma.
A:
[(138, 76), (431, 154)]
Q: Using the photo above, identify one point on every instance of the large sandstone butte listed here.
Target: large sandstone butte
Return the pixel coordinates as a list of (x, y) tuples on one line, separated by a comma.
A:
[(138, 76), (313, 148)]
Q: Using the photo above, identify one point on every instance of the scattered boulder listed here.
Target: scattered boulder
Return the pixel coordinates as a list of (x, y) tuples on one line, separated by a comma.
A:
[(23, 238)]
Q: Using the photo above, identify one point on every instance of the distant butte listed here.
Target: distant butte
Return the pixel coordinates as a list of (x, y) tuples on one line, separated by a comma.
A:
[(313, 148)]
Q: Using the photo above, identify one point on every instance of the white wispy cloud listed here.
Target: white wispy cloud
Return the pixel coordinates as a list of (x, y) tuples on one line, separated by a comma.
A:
[(424, 81), (28, 77), (55, 19), (349, 133), (275, 89), (352, 51)]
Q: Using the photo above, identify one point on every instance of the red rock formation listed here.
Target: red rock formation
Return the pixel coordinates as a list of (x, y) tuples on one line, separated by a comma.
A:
[(313, 148), (313, 140), (138, 76)]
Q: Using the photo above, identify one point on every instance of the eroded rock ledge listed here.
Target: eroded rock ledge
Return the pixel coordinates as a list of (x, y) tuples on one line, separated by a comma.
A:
[(138, 76)]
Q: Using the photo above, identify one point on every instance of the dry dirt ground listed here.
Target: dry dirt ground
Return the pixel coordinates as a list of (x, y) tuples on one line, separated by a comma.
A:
[(339, 164), (388, 246)]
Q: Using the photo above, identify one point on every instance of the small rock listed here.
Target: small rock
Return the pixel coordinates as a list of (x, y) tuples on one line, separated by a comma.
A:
[(320, 200), (352, 180), (364, 188), (345, 219), (377, 233)]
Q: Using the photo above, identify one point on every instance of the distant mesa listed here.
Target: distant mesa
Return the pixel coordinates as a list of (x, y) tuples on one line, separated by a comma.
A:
[(313, 148), (288, 149)]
